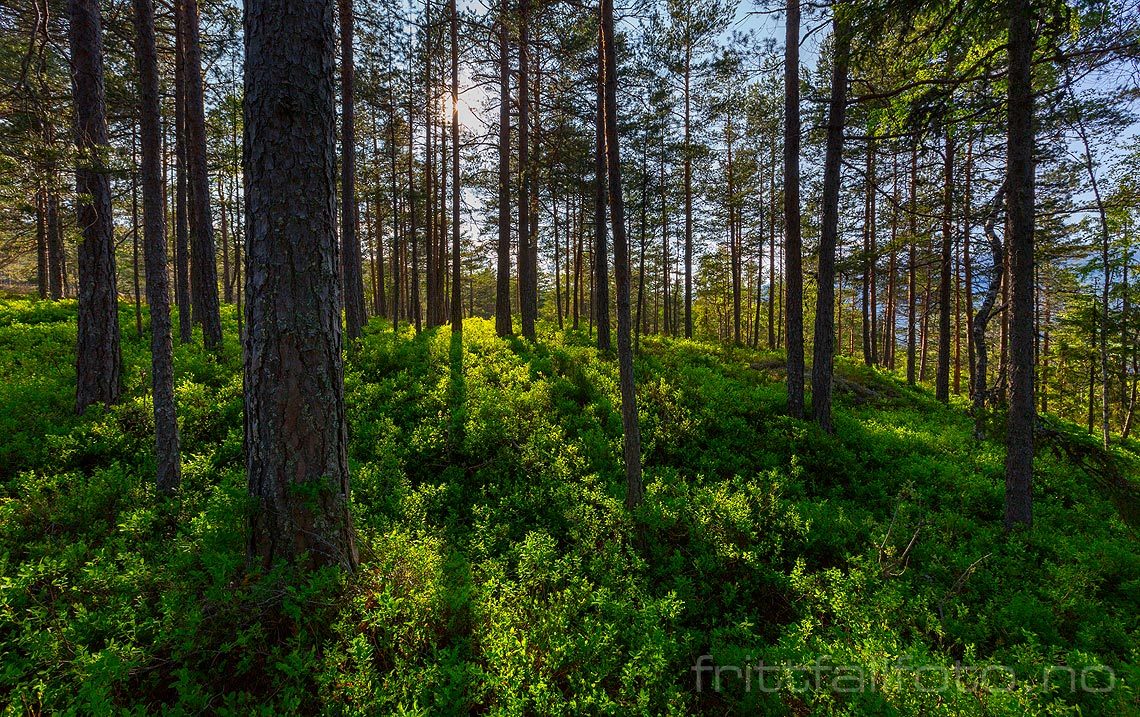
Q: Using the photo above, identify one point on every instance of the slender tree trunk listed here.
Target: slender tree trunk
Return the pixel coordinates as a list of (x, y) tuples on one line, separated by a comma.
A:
[(54, 241), (41, 244), (979, 389), (503, 321), (687, 160), (203, 261), (413, 271), (578, 262), (98, 359), (869, 338), (54, 231), (792, 248), (167, 459), (772, 254), (135, 280), (890, 343), (431, 225), (824, 346), (967, 267), (635, 492), (601, 252), (296, 436), (456, 265), (912, 268), (942, 376), (351, 268), (223, 224), (1020, 172), (181, 213), (528, 295)]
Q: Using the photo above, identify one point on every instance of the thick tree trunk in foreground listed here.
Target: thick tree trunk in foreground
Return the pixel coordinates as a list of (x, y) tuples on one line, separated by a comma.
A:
[(203, 262), (1020, 177), (793, 269), (503, 323), (98, 359), (294, 384), (635, 491), (824, 346), (154, 250), (351, 268)]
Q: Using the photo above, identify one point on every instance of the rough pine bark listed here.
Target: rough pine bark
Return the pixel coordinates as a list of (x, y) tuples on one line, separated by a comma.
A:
[(295, 430), (1020, 184), (167, 459), (98, 359), (635, 491), (203, 262), (824, 345), (351, 268), (793, 266)]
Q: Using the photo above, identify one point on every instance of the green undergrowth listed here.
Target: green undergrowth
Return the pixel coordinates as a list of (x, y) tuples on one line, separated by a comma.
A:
[(773, 569)]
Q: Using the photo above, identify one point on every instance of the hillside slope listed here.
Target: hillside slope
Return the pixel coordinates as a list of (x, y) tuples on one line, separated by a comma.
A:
[(777, 570)]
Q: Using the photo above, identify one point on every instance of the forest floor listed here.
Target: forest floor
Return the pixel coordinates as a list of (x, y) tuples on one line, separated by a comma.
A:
[(773, 569)]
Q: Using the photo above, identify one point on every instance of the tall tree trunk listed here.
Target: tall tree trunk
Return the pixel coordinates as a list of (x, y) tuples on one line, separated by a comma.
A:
[(1106, 278), (942, 376), (296, 436), (824, 347), (52, 226), (1020, 173), (912, 267), (54, 241), (430, 126), (41, 244), (168, 464), (772, 253), (967, 266), (635, 492), (223, 224), (601, 252), (503, 321), (351, 268), (203, 262), (528, 294), (868, 259), (889, 342), (135, 280), (456, 265), (794, 278), (733, 243), (181, 210), (413, 271), (98, 359), (687, 161)]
